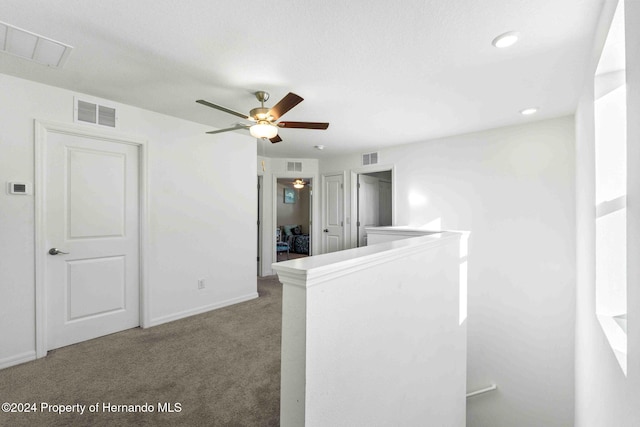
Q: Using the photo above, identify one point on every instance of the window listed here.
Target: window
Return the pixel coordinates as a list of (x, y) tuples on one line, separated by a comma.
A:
[(610, 107)]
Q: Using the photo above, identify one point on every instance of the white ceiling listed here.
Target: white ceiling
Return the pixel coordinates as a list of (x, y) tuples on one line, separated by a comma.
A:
[(382, 73)]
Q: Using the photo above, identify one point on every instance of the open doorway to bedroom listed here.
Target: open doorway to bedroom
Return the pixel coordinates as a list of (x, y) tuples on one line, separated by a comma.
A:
[(374, 202), (293, 218)]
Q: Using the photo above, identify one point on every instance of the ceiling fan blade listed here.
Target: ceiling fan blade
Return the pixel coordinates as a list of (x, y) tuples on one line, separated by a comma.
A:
[(284, 105), (221, 108), (236, 127), (275, 139), (304, 125)]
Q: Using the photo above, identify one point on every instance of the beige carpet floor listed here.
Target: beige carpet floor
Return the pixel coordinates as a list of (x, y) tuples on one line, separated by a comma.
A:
[(220, 368)]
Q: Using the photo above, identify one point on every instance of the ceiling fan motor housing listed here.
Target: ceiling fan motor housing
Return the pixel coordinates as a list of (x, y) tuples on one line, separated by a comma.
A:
[(262, 96), (260, 113)]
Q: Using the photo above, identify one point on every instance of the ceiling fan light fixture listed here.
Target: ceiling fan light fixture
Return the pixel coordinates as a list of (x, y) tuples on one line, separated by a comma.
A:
[(263, 130), (298, 183)]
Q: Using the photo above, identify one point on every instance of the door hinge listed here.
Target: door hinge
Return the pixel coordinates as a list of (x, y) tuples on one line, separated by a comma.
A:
[(358, 185), (258, 259), (341, 223), (358, 224), (342, 186)]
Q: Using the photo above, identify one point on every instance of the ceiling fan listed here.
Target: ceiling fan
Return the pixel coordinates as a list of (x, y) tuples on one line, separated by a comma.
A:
[(265, 119)]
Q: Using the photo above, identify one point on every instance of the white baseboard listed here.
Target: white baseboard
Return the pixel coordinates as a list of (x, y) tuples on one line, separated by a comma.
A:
[(200, 310), (17, 359)]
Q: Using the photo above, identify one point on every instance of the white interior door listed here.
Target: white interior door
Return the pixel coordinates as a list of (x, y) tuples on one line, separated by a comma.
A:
[(368, 206), (332, 218), (92, 213)]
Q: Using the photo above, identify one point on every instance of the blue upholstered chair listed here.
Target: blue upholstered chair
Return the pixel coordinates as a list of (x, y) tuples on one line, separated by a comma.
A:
[(280, 245)]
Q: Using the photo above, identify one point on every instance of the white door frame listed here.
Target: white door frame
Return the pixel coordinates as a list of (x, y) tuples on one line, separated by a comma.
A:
[(274, 210), (354, 196), (260, 221), (344, 208), (42, 129)]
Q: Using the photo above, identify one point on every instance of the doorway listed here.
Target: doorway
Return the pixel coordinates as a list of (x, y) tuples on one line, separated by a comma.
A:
[(294, 206), (374, 202), (90, 234)]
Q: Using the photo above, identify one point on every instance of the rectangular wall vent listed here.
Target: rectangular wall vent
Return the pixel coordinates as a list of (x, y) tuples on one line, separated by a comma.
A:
[(294, 166), (369, 159), (94, 112), (106, 116)]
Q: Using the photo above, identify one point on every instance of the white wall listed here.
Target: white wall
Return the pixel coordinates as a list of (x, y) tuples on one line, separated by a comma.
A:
[(604, 396), (513, 189), (200, 221)]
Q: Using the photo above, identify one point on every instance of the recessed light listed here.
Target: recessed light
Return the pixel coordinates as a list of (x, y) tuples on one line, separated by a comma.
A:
[(505, 40), (529, 111), (319, 147)]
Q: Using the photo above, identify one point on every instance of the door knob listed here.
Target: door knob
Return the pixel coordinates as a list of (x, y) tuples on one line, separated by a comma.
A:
[(326, 230), (54, 251)]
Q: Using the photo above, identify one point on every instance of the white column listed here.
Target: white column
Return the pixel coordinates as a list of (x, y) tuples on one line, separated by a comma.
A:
[(373, 336)]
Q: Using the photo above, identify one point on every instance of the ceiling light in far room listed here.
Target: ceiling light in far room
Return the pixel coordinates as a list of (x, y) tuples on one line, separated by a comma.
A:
[(505, 40), (298, 183), (263, 129), (529, 111)]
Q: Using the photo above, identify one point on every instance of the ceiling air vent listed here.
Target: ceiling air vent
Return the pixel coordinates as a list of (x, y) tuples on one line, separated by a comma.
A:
[(294, 166), (369, 159), (94, 112), (32, 46)]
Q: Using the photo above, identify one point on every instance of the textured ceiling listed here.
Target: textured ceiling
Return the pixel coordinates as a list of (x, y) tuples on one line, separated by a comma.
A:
[(382, 73)]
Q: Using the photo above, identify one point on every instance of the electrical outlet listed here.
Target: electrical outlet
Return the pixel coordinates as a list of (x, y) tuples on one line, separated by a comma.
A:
[(200, 283)]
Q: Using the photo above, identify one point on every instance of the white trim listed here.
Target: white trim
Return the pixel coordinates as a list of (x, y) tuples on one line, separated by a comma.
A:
[(40, 248), (260, 183), (17, 359), (42, 127), (145, 292), (200, 310), (492, 387), (405, 231), (308, 272)]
